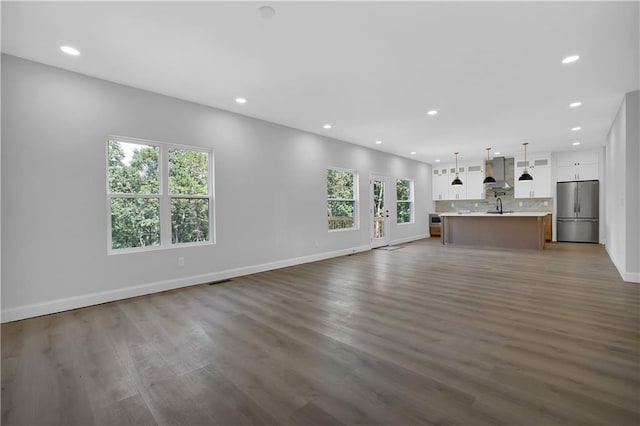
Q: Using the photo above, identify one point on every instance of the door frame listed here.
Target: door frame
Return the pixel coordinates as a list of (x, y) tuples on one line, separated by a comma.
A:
[(386, 240)]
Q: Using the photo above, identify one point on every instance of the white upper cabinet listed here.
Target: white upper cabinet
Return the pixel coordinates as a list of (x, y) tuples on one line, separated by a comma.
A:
[(440, 188), (475, 176), (577, 165), (539, 167), (522, 188), (569, 165), (542, 176), (458, 192), (471, 176)]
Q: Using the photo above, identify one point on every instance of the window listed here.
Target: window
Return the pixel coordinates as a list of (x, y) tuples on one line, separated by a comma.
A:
[(158, 195), (404, 198), (342, 191), (189, 195)]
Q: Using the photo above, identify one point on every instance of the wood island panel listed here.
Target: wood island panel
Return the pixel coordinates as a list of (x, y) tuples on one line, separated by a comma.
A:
[(548, 227), (506, 231)]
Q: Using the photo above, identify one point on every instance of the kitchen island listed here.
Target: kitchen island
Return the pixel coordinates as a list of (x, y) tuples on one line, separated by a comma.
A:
[(520, 230)]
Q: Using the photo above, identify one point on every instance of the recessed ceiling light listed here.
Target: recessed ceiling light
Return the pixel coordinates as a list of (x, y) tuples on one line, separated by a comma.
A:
[(575, 104), (496, 153), (576, 143), (70, 50), (378, 142), (575, 129), (241, 100), (570, 59), (432, 112), (327, 126), (413, 153), (438, 160)]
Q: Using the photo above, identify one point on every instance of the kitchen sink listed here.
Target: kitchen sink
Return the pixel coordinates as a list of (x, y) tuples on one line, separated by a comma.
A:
[(497, 212)]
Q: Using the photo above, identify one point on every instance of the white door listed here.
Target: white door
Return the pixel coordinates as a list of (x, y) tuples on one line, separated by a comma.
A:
[(379, 211)]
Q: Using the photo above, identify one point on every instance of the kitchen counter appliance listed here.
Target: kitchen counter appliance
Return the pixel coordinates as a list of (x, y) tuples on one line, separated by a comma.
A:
[(434, 224), (578, 211)]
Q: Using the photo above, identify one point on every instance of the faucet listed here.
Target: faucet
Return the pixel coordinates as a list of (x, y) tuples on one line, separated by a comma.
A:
[(499, 205)]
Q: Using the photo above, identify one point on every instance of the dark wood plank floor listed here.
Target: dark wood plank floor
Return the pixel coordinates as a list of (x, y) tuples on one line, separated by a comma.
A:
[(425, 334)]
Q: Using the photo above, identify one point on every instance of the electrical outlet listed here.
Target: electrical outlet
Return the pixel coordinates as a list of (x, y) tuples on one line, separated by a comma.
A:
[(181, 261), (317, 244), (453, 205), (476, 204), (546, 203), (520, 204)]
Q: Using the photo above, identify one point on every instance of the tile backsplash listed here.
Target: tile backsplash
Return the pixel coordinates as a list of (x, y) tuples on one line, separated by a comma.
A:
[(489, 203), (506, 195)]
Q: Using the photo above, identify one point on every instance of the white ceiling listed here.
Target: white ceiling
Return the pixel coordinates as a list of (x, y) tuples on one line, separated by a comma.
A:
[(371, 69)]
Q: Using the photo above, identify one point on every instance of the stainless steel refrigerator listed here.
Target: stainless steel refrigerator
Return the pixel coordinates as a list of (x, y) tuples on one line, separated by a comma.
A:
[(578, 211)]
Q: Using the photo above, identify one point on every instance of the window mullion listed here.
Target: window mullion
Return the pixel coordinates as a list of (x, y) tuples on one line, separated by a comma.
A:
[(133, 195), (165, 203)]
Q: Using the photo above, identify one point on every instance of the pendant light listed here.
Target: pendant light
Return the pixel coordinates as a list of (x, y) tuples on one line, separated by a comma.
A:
[(489, 178), (457, 180), (525, 173)]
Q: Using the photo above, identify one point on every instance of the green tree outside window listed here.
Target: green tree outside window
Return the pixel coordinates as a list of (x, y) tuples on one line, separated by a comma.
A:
[(134, 186), (404, 198), (341, 199)]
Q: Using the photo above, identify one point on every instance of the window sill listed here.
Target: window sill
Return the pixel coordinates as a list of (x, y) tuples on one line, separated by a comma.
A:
[(342, 229), (157, 248)]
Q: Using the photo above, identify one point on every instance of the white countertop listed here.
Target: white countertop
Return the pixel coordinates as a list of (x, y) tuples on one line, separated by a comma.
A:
[(514, 214)]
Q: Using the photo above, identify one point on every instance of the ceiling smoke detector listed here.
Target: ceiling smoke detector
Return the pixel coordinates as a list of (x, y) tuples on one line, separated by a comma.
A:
[(266, 12)]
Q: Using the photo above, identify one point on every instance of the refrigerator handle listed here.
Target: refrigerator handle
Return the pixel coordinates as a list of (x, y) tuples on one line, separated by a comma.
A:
[(575, 200), (578, 196)]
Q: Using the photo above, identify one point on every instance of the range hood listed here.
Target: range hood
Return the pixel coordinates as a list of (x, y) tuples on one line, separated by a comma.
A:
[(498, 174)]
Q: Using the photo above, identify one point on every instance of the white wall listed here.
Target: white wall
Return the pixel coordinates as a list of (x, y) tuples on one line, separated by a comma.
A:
[(622, 182), (633, 177), (602, 206), (616, 186), (269, 183), (0, 169)]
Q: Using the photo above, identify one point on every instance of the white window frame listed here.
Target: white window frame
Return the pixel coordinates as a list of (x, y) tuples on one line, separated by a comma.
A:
[(163, 195), (410, 201), (356, 202)]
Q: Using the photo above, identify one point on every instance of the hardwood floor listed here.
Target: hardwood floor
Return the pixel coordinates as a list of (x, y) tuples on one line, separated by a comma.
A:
[(427, 334)]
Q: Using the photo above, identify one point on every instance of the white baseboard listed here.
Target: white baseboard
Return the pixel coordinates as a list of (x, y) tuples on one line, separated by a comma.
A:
[(75, 302), (632, 277), (409, 239)]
